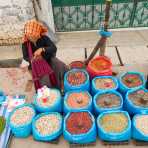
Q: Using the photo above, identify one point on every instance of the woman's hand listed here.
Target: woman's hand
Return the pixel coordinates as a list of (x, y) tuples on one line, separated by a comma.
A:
[(38, 53)]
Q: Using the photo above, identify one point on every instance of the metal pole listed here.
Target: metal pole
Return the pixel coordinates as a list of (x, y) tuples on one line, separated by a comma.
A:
[(102, 42)]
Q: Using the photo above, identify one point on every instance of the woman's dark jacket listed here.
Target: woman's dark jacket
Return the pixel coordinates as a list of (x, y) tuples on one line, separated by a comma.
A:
[(43, 42)]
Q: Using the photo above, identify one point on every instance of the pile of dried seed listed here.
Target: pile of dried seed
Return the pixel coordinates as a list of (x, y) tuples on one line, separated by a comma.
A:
[(78, 99), (108, 100), (142, 123), (114, 122), (48, 101), (132, 80), (76, 78), (104, 83), (48, 124), (22, 116), (79, 123), (139, 98)]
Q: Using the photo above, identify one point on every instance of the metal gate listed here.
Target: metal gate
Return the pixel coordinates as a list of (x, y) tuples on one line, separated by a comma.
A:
[(75, 15)]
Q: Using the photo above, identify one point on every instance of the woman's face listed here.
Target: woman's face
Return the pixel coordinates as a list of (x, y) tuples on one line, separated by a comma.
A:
[(33, 39)]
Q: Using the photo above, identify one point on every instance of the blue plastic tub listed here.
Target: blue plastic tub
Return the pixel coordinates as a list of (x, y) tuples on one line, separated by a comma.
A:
[(88, 137), (84, 86), (67, 108), (115, 137), (99, 110), (54, 135), (131, 107), (56, 107), (123, 88), (94, 90), (137, 133), (24, 130)]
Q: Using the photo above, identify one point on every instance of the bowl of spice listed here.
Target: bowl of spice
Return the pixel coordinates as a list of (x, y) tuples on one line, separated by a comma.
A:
[(77, 101), (103, 83), (48, 100), (140, 127), (136, 101), (76, 79), (79, 127), (77, 64), (131, 80), (114, 126), (99, 66), (107, 101), (47, 126), (20, 120)]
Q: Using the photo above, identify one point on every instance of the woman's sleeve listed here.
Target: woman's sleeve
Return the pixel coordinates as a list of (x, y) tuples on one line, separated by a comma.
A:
[(50, 48), (25, 52), (25, 60)]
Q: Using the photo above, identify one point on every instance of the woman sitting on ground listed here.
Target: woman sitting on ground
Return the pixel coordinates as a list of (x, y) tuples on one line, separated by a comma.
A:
[(42, 47)]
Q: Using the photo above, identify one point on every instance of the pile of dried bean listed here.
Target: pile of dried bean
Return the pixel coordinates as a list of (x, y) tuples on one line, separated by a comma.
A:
[(104, 83), (139, 98), (48, 124), (79, 123), (132, 80), (142, 123), (78, 99), (22, 116), (108, 100), (114, 122), (48, 101), (76, 78), (99, 65)]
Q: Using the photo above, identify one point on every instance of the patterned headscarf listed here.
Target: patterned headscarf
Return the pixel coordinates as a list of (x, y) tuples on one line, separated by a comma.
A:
[(34, 28)]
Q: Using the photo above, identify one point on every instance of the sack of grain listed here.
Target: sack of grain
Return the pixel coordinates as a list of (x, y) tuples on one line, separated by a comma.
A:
[(20, 120), (76, 79), (79, 127), (140, 127), (103, 83), (107, 101), (114, 126), (131, 80), (48, 100), (47, 126), (100, 66), (136, 101)]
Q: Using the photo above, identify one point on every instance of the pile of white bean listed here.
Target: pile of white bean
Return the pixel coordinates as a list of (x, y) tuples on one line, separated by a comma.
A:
[(22, 116), (47, 124), (142, 123), (50, 99)]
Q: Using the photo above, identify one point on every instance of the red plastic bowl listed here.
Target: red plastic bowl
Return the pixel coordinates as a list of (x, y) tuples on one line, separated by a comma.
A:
[(100, 66)]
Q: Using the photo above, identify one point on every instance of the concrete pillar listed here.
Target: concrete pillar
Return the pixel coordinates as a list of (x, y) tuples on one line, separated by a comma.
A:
[(44, 12), (48, 13)]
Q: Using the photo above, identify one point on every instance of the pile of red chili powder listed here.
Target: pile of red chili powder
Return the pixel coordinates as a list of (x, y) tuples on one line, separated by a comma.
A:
[(79, 123)]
